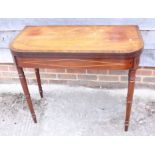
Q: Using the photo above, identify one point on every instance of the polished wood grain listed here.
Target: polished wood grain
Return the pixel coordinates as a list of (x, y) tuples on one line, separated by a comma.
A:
[(75, 63), (83, 39), (86, 47)]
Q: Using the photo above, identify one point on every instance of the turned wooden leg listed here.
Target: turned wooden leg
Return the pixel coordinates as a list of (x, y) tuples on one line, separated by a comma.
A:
[(39, 82), (26, 92), (131, 84)]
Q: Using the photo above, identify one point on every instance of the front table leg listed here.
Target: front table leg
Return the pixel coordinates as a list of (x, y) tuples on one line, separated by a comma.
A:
[(131, 85), (26, 92)]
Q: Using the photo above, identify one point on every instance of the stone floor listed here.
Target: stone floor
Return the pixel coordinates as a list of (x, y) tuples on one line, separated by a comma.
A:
[(72, 111)]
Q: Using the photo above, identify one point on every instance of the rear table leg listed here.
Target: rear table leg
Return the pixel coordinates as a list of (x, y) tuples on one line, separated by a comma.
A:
[(39, 82)]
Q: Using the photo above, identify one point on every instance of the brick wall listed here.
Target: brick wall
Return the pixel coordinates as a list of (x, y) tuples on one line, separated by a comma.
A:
[(90, 78)]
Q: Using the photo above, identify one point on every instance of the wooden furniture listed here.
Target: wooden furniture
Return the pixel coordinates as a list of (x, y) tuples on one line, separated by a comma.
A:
[(100, 47)]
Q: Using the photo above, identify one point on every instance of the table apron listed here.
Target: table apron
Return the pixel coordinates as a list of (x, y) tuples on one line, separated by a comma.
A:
[(75, 63)]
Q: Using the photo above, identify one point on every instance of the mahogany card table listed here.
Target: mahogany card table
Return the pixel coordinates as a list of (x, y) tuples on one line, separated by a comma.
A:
[(113, 47)]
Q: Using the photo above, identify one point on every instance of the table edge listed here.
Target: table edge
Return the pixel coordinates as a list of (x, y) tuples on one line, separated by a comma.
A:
[(75, 55)]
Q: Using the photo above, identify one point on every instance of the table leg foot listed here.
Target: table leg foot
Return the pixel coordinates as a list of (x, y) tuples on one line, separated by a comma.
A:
[(39, 82), (126, 126), (131, 84), (34, 118)]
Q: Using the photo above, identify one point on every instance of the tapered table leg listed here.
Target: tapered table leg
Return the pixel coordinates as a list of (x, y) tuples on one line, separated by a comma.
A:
[(39, 82), (131, 84), (26, 92)]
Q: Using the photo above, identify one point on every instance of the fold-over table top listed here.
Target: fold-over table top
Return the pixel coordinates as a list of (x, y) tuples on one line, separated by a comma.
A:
[(78, 39)]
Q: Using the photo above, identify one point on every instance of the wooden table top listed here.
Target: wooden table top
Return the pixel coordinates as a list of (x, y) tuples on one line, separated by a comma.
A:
[(82, 39)]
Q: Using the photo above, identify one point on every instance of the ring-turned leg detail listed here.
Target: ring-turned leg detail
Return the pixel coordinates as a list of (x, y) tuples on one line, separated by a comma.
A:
[(39, 81), (131, 84), (26, 92)]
